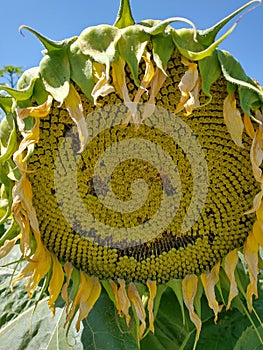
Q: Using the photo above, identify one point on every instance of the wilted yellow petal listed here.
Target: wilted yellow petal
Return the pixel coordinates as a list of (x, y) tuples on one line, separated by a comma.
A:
[(36, 269), (148, 75), (189, 288), (249, 126), (124, 300), (256, 202), (56, 282), (119, 82), (209, 280), (251, 256), (88, 298), (138, 306), (75, 109), (152, 290), (102, 87), (230, 264), (8, 245), (256, 153), (233, 119), (68, 268), (156, 84), (38, 111), (189, 87), (115, 292)]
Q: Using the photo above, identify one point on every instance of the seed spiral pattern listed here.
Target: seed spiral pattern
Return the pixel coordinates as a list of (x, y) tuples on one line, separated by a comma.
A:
[(221, 226)]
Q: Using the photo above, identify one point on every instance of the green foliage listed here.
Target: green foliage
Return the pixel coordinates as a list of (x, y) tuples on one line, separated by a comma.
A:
[(10, 75)]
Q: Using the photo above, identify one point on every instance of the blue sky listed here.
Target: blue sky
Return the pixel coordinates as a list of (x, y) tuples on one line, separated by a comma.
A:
[(59, 19)]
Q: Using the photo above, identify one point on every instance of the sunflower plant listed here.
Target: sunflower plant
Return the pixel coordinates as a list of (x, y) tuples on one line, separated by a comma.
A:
[(131, 186)]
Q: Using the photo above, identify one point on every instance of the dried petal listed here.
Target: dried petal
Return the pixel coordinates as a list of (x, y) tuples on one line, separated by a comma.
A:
[(233, 119), (209, 280), (152, 290), (249, 126), (189, 288), (75, 109), (124, 301), (56, 282), (251, 256), (138, 306), (68, 268), (230, 264), (8, 245), (102, 87)]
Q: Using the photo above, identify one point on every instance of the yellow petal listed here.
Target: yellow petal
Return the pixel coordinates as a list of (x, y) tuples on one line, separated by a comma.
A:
[(119, 82), (88, 298), (116, 295), (101, 88), (233, 119), (156, 84), (75, 109), (189, 288), (256, 153), (124, 300), (189, 87), (152, 290), (36, 269), (251, 256), (138, 306), (256, 202), (230, 264), (68, 268), (249, 126), (209, 281), (39, 111), (8, 245), (55, 283), (148, 76)]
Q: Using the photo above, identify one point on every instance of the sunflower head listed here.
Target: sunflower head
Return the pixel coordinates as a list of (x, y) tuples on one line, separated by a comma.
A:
[(131, 161)]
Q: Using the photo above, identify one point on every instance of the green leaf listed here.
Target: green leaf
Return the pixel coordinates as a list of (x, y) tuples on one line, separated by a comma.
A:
[(11, 144), (81, 70), (124, 16), (249, 340), (49, 44), (99, 43), (104, 329), (160, 26), (131, 45), (250, 94), (6, 103), (55, 74), (191, 48), (210, 71), (163, 47), (23, 94), (207, 36)]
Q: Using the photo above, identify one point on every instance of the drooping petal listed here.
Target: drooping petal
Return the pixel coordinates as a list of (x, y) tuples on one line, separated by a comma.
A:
[(152, 290), (124, 300), (233, 119), (189, 86), (148, 76), (114, 288), (251, 256), (156, 84), (136, 300), (256, 153), (36, 269), (230, 264), (68, 268), (209, 281), (38, 111), (88, 298), (75, 109), (8, 245), (189, 288), (56, 282), (249, 126), (119, 82), (102, 87)]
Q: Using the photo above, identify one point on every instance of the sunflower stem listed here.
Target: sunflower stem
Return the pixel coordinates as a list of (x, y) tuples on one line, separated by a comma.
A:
[(124, 16)]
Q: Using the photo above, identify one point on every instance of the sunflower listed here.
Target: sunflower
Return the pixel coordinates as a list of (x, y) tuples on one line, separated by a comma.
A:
[(131, 161)]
